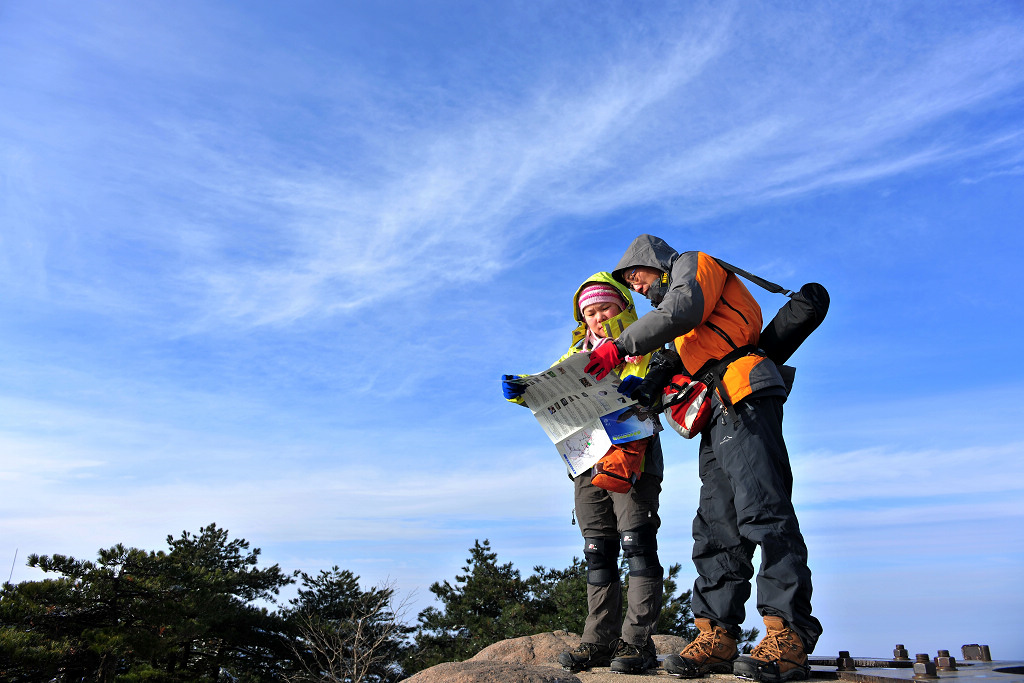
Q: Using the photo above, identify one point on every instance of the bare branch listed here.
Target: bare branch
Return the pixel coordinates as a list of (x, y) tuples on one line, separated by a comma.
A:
[(357, 649)]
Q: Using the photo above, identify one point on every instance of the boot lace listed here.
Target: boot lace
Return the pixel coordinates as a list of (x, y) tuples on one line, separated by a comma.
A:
[(769, 649), (703, 646), (624, 649), (781, 646)]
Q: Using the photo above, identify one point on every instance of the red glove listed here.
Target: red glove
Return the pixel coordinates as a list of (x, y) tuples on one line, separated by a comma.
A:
[(603, 360)]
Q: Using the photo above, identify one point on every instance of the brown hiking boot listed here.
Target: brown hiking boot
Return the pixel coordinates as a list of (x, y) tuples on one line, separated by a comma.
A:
[(713, 651), (778, 657)]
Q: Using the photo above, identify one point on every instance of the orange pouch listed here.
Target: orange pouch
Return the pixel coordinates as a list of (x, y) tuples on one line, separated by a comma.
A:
[(620, 467)]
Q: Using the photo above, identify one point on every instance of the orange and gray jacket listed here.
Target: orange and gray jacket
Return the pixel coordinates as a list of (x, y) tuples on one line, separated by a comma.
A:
[(705, 311)]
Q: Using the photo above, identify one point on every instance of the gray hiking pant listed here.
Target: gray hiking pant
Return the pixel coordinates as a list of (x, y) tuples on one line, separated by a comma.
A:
[(745, 502), (605, 514)]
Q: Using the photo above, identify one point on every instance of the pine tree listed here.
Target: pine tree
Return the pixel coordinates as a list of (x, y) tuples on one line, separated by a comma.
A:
[(345, 634), (488, 602), (181, 615), (676, 618), (559, 597)]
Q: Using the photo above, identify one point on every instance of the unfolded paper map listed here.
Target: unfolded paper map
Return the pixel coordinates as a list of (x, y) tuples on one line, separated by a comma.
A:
[(584, 417)]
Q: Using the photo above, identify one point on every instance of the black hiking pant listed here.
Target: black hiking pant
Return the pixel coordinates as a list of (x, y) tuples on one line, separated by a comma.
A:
[(746, 502)]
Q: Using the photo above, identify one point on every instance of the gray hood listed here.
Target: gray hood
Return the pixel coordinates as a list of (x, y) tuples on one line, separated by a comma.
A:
[(646, 250)]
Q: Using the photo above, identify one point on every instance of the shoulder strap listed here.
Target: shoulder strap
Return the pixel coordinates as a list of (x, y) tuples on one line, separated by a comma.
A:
[(760, 282)]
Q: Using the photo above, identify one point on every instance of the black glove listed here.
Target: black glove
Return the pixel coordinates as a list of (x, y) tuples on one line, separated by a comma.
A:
[(665, 363)]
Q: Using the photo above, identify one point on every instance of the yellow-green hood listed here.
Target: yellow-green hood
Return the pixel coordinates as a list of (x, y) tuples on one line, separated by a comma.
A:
[(613, 327)]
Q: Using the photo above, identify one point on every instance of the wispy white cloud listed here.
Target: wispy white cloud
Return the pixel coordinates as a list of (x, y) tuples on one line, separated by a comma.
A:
[(452, 213), (880, 474), (447, 202), (374, 506), (1012, 171)]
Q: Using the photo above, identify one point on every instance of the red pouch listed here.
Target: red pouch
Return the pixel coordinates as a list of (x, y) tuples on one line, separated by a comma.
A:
[(620, 467), (687, 405)]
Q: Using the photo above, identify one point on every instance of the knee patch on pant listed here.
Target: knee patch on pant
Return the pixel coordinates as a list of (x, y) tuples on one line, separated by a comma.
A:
[(602, 560), (640, 548)]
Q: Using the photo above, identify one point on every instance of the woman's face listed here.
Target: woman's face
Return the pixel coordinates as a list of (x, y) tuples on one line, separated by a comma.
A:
[(595, 314)]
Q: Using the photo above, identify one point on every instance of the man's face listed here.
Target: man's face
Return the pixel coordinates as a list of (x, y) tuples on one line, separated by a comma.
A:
[(641, 278)]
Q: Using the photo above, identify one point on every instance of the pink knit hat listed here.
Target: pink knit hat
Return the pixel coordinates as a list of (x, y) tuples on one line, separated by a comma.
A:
[(601, 293)]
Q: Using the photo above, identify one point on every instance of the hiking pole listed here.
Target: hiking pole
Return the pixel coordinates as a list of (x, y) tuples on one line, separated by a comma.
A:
[(9, 576)]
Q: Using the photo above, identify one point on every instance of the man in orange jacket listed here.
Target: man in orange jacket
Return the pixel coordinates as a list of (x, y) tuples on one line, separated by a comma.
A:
[(707, 313)]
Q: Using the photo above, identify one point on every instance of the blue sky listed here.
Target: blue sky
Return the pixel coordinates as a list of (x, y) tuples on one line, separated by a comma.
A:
[(263, 264)]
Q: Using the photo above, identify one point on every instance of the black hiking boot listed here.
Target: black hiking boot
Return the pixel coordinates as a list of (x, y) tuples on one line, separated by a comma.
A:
[(634, 659), (585, 656)]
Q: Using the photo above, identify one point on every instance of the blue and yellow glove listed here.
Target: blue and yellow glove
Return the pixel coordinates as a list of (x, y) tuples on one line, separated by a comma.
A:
[(629, 384), (511, 387)]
